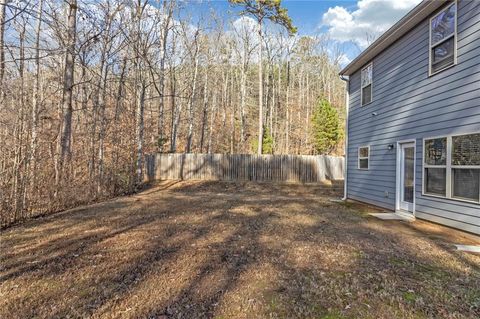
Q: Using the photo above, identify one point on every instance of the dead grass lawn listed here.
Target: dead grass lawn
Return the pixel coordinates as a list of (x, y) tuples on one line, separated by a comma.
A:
[(234, 250)]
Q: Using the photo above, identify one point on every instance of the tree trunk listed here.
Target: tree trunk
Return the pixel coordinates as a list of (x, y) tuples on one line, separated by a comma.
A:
[(118, 110), (140, 91), (243, 94), (205, 110), (176, 111), (141, 88), (276, 108), (3, 4), (191, 105), (232, 116), (213, 115), (163, 48), (96, 110), (35, 104), (306, 101), (260, 89), (287, 115), (101, 133), (19, 177), (272, 103), (68, 81)]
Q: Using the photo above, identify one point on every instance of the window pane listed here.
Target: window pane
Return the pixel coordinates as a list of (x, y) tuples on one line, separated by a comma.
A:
[(363, 152), (466, 183), (436, 151), (436, 181), (367, 76), (466, 150), (443, 50), (408, 171), (367, 94), (443, 55), (443, 25), (363, 163)]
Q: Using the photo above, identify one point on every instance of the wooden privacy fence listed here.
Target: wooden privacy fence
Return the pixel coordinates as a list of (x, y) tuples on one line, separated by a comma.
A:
[(242, 167)]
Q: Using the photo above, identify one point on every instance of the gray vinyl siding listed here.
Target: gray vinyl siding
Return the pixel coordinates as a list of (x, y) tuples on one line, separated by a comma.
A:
[(411, 105)]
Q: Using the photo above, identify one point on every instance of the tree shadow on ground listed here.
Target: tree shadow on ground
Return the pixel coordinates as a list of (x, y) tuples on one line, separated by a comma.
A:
[(213, 250)]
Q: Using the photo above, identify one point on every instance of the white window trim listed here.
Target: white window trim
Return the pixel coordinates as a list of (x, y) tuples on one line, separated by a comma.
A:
[(449, 167), (361, 85), (454, 35), (360, 157)]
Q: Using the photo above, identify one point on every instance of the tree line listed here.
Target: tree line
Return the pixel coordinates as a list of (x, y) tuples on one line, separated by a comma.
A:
[(87, 88)]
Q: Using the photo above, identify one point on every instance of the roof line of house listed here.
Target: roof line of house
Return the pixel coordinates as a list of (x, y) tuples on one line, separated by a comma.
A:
[(410, 20)]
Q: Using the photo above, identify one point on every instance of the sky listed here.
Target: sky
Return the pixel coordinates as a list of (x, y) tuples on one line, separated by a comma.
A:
[(353, 24)]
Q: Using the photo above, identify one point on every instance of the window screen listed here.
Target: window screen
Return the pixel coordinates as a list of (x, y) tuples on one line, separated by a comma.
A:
[(452, 167), (466, 167), (363, 157), (442, 39), (435, 173), (367, 78)]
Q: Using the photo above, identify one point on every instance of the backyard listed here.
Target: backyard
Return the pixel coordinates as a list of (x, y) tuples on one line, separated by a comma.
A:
[(234, 250)]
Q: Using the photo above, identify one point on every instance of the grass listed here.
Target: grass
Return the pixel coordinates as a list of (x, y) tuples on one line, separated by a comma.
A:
[(234, 250), (333, 315), (410, 296)]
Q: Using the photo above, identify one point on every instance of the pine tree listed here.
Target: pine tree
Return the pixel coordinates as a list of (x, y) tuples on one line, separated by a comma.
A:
[(326, 128), (268, 142), (263, 10)]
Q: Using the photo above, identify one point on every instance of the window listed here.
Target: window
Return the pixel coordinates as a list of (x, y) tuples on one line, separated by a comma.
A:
[(366, 93), (452, 167), (436, 166), (363, 157), (466, 167), (443, 39)]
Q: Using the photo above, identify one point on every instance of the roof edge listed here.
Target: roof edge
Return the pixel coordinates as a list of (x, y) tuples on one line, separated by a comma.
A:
[(405, 24)]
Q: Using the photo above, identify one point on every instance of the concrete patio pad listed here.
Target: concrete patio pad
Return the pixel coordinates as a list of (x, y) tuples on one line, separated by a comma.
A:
[(468, 248), (390, 216)]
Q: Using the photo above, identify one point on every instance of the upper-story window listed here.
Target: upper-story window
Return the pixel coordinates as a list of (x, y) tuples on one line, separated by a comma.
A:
[(443, 39), (366, 92)]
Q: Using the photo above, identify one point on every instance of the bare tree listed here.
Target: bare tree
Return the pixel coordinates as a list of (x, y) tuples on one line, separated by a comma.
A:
[(94, 87), (68, 82), (36, 101), (3, 4), (165, 28), (244, 48)]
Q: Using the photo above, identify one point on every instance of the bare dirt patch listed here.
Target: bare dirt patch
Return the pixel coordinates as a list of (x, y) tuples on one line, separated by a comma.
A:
[(234, 250)]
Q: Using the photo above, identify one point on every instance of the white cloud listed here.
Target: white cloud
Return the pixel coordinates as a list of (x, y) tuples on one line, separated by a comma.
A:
[(245, 24), (344, 60), (367, 22)]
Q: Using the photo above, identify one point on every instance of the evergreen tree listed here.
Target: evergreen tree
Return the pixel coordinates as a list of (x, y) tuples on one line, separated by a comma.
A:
[(326, 128), (267, 145)]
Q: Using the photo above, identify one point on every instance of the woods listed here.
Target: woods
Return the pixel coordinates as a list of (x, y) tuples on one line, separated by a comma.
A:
[(88, 88), (176, 159)]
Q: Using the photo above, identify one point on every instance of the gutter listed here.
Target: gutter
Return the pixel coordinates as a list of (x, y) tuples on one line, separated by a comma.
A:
[(347, 107)]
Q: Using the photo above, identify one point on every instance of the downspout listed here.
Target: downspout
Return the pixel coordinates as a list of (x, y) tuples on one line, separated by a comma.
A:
[(345, 164)]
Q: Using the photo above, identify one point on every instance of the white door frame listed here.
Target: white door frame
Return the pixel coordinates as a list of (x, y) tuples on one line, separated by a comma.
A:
[(398, 190)]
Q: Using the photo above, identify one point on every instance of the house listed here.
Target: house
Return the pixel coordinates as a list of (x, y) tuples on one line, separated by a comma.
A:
[(413, 124)]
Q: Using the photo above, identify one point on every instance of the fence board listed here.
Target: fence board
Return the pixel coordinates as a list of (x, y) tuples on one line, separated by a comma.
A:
[(243, 167)]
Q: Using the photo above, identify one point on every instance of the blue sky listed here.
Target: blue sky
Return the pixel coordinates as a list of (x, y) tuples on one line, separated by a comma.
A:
[(351, 23), (307, 14)]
